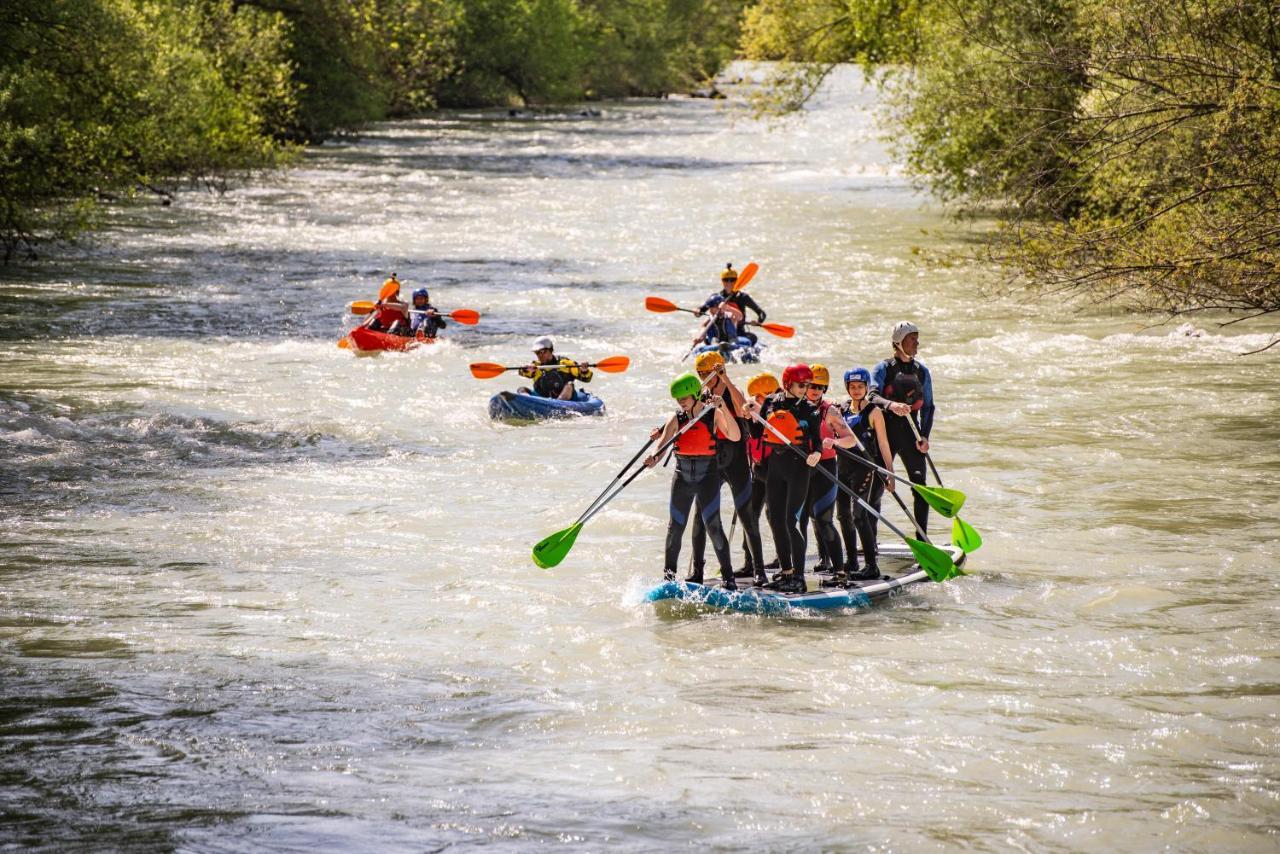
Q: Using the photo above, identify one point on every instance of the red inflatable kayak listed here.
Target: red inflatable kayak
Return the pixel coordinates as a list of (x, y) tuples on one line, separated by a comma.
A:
[(367, 341)]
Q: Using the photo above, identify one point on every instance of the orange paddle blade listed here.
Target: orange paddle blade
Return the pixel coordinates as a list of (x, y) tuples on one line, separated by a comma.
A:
[(389, 289), (614, 364), (466, 316), (361, 307), (486, 370), (747, 274), (344, 343), (660, 304), (779, 329)]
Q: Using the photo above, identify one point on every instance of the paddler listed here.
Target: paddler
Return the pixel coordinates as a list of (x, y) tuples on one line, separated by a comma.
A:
[(758, 388), (556, 382), (425, 317), (728, 309), (798, 421), (902, 386), (390, 314), (820, 504), (734, 465), (867, 422), (697, 476)]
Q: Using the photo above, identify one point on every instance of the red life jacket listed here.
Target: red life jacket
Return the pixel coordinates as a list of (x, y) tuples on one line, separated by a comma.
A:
[(389, 313), (699, 440)]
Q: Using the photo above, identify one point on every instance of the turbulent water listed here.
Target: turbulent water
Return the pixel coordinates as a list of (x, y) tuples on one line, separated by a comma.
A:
[(258, 593)]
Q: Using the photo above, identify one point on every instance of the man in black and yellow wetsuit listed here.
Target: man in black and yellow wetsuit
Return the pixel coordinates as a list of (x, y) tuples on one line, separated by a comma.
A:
[(555, 382)]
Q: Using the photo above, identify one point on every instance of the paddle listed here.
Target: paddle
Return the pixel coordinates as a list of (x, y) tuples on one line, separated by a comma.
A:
[(963, 534), (465, 316), (551, 550), (744, 278), (851, 455), (779, 329), (936, 563), (489, 370), (663, 306)]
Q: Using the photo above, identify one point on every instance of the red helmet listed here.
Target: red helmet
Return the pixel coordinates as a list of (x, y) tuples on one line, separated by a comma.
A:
[(796, 374)]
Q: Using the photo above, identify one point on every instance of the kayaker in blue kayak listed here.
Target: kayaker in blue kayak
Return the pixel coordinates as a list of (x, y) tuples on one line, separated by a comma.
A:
[(697, 476), (555, 383), (902, 386), (425, 318), (728, 309), (735, 468)]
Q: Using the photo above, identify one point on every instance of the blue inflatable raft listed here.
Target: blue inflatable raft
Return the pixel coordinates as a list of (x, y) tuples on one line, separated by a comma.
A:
[(511, 405), (743, 350), (755, 600)]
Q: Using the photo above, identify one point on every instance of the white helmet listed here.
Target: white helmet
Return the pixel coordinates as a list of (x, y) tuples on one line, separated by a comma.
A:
[(902, 329), (543, 343)]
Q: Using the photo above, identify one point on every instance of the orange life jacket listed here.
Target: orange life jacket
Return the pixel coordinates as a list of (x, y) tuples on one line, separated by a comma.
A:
[(786, 424), (699, 440)]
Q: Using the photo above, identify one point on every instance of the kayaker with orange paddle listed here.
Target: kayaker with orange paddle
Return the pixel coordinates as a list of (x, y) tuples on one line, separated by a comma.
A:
[(390, 314), (728, 307), (553, 383), (426, 319)]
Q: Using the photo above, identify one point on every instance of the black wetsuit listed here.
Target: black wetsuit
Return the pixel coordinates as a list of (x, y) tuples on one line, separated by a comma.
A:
[(820, 506), (735, 469), (549, 383), (856, 523), (787, 487), (902, 441)]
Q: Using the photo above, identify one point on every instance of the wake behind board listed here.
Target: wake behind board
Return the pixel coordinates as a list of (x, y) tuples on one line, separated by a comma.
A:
[(756, 600)]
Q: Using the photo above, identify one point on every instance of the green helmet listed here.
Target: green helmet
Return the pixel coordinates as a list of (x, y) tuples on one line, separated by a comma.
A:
[(685, 385)]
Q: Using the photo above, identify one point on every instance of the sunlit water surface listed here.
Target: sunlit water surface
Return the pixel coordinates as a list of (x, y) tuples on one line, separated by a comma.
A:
[(256, 592)]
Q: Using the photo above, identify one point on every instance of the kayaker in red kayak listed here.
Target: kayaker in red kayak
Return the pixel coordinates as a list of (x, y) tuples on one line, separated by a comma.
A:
[(425, 317), (390, 314), (553, 383)]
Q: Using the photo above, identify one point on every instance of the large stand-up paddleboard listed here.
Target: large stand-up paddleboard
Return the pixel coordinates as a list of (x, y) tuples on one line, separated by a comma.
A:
[(755, 600), (510, 405)]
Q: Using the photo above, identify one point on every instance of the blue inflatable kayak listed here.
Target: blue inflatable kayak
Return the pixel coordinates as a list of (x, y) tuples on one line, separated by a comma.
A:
[(510, 405), (755, 600), (741, 351)]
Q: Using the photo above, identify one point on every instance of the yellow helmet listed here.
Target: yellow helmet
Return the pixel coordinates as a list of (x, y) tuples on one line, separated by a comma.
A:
[(821, 376), (728, 274), (765, 383), (708, 361)]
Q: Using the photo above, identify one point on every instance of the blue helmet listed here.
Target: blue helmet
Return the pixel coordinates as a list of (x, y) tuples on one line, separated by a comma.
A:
[(421, 292), (861, 375)]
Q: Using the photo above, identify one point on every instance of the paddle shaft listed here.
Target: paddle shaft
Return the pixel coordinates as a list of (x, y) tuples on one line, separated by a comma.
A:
[(851, 455), (616, 478), (927, 458), (662, 449), (829, 476)]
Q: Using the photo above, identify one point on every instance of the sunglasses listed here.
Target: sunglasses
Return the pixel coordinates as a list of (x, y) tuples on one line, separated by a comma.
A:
[(818, 387)]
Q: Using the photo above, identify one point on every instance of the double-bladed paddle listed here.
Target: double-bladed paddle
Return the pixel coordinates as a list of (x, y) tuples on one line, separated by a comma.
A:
[(489, 370), (465, 316), (936, 563), (551, 550), (663, 306)]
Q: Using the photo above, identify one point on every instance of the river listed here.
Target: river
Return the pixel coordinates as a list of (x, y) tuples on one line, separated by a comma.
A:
[(256, 593)]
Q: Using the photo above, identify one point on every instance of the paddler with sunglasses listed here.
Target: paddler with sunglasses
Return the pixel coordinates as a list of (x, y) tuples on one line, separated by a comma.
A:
[(821, 502), (735, 468), (790, 413)]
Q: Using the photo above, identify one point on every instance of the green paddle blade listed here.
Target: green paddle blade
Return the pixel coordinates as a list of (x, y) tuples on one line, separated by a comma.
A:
[(551, 550), (965, 536), (946, 501), (936, 563)]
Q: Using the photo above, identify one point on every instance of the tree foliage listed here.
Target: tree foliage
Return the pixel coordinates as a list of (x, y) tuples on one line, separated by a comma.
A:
[(1132, 147), (103, 97)]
